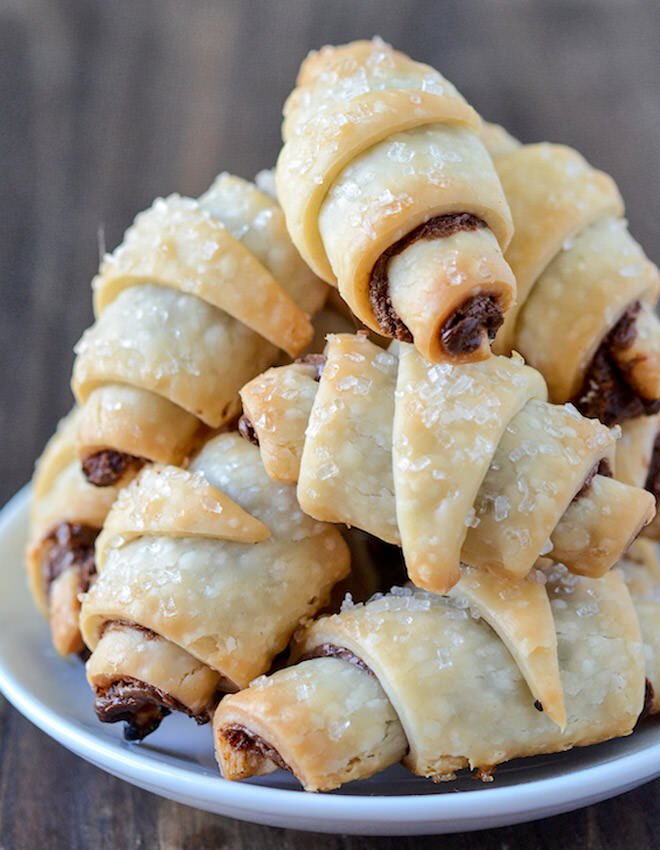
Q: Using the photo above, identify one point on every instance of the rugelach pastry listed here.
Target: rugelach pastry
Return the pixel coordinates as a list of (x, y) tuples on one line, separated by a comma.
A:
[(437, 683), (586, 290), (203, 576), (66, 515), (452, 462), (200, 296), (638, 460), (390, 195), (640, 570)]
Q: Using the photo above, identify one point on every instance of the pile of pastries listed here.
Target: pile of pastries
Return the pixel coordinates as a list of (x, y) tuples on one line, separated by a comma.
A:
[(364, 460)]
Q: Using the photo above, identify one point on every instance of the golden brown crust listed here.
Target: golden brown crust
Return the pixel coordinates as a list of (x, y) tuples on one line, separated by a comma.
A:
[(365, 117), (441, 453)]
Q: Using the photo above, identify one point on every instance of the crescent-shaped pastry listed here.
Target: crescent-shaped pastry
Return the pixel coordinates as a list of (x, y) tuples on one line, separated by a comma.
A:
[(640, 570), (452, 462), (66, 515), (427, 680), (203, 575), (638, 460), (586, 290), (390, 195), (196, 300)]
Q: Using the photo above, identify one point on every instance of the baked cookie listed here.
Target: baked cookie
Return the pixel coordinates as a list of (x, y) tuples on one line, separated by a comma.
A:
[(199, 297), (437, 682), (390, 195), (586, 290), (452, 462), (203, 575), (66, 515), (640, 569)]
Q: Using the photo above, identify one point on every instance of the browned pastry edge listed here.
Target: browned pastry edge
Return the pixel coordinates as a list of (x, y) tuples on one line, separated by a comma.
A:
[(462, 332), (239, 737), (107, 467), (605, 393)]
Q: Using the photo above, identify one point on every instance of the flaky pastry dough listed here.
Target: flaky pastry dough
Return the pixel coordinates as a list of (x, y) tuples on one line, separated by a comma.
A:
[(424, 679), (375, 147), (453, 462), (197, 299), (216, 564)]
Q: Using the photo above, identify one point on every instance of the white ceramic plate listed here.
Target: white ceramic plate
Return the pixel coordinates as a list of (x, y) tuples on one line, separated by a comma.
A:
[(177, 760)]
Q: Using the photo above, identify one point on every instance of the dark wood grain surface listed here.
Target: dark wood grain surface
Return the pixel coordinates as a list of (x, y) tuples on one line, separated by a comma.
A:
[(103, 106)]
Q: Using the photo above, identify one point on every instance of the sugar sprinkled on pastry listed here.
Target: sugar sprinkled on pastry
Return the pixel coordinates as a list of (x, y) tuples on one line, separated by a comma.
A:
[(453, 462), (204, 574), (66, 515), (390, 194), (198, 298), (425, 679)]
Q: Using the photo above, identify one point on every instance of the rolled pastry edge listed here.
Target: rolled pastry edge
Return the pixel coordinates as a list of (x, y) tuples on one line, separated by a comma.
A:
[(326, 719), (445, 287), (139, 677)]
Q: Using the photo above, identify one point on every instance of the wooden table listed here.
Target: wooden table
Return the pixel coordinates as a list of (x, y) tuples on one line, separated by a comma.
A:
[(105, 105)]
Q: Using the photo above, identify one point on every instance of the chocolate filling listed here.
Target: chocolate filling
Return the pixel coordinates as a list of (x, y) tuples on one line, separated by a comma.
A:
[(240, 738), (316, 360), (649, 694), (329, 650), (105, 468), (652, 483), (462, 332), (70, 544), (115, 625), (601, 468), (605, 393), (246, 430), (140, 705)]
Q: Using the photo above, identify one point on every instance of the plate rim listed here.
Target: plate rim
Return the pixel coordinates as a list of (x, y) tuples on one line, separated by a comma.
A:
[(404, 814)]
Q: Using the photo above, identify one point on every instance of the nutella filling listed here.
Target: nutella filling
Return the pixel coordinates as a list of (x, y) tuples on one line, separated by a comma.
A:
[(245, 427), (107, 467), (649, 695), (70, 544), (605, 393), (316, 360), (462, 331), (118, 624), (652, 483), (240, 738), (601, 468), (246, 430), (140, 705), (329, 650)]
